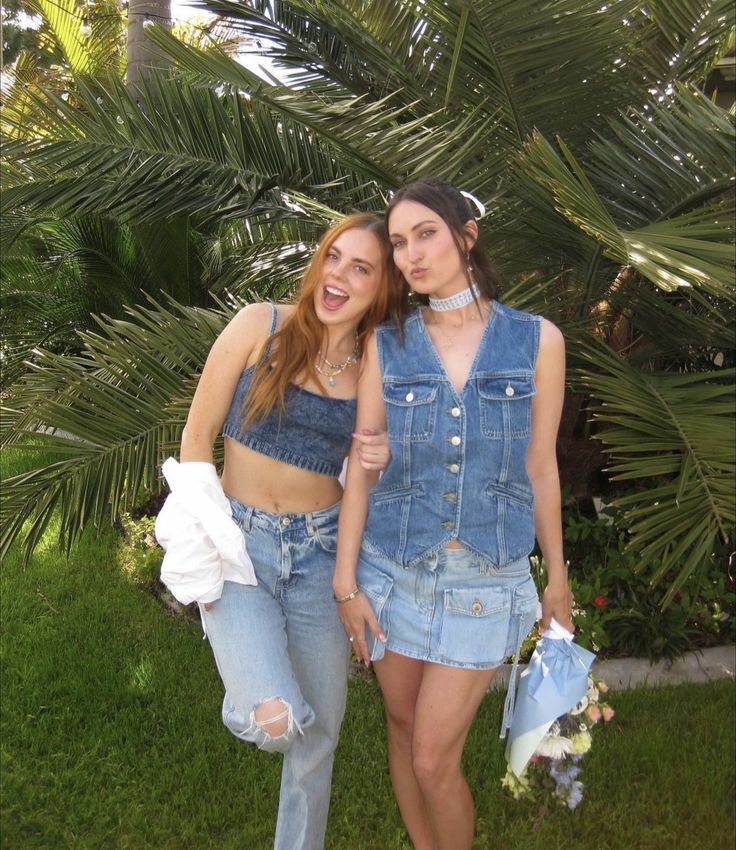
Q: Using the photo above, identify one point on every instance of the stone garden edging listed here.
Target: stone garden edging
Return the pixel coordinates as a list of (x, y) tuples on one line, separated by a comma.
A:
[(703, 665)]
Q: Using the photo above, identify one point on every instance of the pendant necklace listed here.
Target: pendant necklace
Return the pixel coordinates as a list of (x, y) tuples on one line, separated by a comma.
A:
[(336, 368)]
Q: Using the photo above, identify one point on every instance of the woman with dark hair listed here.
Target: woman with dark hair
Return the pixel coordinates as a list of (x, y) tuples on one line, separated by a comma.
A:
[(440, 593), (257, 549)]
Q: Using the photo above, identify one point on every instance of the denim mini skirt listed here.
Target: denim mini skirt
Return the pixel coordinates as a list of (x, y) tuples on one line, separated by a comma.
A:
[(452, 608)]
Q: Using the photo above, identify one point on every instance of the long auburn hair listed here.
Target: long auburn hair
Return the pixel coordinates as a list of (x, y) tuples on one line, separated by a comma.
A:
[(295, 347), (453, 208)]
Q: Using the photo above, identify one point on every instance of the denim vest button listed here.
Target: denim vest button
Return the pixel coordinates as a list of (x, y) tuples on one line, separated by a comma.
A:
[(509, 390), (448, 524), (477, 606), (454, 467), (410, 396), (451, 497), (455, 411), (456, 441)]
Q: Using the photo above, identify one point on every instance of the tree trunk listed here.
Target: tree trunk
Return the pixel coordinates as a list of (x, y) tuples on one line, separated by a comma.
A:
[(142, 53)]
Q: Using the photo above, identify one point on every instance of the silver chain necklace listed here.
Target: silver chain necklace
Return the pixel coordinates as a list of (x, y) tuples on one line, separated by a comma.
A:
[(454, 302)]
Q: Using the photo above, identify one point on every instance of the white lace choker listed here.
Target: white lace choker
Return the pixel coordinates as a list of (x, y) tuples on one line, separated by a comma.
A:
[(454, 302)]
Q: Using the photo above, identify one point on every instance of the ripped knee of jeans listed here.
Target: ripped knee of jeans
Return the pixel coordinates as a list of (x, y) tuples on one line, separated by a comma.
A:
[(274, 725)]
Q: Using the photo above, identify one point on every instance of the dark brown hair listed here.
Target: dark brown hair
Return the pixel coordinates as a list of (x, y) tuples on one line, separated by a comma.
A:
[(453, 208)]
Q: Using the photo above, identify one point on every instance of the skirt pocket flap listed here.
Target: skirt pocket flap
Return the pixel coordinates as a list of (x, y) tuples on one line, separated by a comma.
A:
[(476, 602)]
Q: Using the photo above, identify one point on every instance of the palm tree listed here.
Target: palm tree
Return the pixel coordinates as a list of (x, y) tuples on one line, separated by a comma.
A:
[(57, 273), (142, 54), (605, 174)]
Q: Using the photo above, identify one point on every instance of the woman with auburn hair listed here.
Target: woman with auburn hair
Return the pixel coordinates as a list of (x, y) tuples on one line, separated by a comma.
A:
[(256, 550), (440, 593)]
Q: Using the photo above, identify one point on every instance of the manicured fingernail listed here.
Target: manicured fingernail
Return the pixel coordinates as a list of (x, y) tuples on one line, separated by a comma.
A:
[(382, 637)]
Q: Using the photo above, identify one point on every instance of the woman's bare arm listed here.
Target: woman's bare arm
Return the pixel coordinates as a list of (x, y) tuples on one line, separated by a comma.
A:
[(544, 475), (357, 613), (238, 343)]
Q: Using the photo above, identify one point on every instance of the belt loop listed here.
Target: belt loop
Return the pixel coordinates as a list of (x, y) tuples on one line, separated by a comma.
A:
[(248, 518), (311, 527)]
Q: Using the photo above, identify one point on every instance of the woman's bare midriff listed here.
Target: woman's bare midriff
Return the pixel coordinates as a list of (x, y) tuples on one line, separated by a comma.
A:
[(270, 485)]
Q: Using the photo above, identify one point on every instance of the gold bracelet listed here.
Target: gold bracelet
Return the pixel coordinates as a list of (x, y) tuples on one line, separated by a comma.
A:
[(346, 598)]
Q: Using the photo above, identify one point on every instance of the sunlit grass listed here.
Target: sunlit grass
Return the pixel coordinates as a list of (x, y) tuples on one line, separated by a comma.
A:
[(111, 738)]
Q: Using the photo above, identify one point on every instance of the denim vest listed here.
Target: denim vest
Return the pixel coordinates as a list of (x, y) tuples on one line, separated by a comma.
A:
[(313, 432), (458, 460)]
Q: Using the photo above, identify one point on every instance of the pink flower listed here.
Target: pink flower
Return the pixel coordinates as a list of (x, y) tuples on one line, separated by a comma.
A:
[(600, 602), (602, 686), (593, 713), (607, 713)]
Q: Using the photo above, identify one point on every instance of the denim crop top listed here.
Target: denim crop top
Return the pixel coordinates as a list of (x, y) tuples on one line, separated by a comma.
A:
[(313, 432)]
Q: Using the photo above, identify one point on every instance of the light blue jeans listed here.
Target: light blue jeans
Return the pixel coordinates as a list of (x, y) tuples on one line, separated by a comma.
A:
[(282, 639)]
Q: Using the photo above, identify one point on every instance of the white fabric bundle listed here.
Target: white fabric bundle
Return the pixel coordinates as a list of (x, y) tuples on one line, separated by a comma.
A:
[(204, 545)]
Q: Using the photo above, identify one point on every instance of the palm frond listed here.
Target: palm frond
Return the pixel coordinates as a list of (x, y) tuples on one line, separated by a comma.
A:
[(381, 140), (106, 417), (523, 59), (676, 432), (95, 53), (187, 150), (687, 38), (337, 49), (691, 247)]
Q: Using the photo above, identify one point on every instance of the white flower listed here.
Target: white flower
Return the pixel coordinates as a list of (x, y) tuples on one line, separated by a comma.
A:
[(554, 746)]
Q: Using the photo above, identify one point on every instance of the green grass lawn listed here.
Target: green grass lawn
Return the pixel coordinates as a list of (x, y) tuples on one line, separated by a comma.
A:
[(111, 738)]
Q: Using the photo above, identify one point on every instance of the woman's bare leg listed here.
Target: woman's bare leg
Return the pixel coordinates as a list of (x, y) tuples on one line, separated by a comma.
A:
[(400, 679), (447, 702)]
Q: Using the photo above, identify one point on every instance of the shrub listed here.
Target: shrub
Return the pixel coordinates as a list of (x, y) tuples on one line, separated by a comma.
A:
[(617, 613)]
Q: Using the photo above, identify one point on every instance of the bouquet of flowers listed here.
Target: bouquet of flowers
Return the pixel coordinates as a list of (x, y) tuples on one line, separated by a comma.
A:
[(554, 767)]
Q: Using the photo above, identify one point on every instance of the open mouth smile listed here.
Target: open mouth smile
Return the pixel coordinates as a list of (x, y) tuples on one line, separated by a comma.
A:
[(333, 297)]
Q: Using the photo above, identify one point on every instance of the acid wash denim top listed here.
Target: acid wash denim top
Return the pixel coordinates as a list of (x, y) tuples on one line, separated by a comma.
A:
[(458, 460), (312, 433)]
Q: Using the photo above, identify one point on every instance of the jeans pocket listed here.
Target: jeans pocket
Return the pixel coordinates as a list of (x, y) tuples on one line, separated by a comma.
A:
[(326, 537)]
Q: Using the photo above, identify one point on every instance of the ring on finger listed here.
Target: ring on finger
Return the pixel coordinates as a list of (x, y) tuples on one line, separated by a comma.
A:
[(351, 638)]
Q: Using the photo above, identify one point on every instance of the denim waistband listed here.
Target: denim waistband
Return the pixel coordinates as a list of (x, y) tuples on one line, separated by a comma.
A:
[(247, 516)]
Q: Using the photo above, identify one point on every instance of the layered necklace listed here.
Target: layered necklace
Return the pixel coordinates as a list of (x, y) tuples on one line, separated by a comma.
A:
[(331, 370)]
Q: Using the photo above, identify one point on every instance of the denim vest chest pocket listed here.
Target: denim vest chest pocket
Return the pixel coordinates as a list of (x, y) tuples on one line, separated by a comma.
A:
[(411, 410), (506, 405)]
